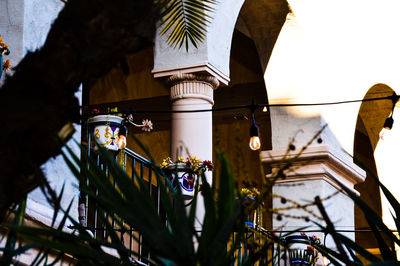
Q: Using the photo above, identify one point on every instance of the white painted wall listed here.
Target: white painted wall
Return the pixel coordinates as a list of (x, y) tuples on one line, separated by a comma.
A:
[(11, 29), (214, 51)]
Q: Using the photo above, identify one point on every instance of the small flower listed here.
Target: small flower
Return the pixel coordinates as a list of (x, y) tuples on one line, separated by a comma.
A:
[(310, 250), (147, 125), (95, 111), (193, 163), (166, 162), (6, 65), (208, 164)]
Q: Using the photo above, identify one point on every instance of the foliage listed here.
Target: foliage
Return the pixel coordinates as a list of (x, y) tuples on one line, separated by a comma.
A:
[(179, 243), (185, 20), (4, 50), (192, 163), (348, 251), (220, 242)]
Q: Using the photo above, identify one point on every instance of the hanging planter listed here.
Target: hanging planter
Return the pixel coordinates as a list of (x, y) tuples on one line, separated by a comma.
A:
[(254, 216), (105, 130), (4, 65), (301, 250), (185, 173)]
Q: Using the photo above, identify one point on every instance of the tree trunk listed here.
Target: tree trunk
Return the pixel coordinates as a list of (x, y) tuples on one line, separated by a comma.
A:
[(88, 38)]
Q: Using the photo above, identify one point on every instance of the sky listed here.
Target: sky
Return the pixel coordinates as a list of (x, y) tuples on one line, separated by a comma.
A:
[(335, 50)]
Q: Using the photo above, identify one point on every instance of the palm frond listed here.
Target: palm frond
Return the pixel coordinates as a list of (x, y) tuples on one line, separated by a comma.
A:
[(185, 20)]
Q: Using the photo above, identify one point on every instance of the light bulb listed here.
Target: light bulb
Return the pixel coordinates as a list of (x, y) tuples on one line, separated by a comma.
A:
[(387, 126), (255, 143), (121, 142), (325, 261), (265, 109), (384, 132)]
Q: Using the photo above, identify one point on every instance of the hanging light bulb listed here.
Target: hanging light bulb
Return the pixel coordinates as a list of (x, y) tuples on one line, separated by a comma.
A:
[(255, 143), (122, 138), (325, 260), (387, 126), (389, 121)]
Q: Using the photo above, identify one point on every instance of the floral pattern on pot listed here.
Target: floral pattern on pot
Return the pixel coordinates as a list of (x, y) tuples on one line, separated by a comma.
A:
[(105, 130), (185, 173)]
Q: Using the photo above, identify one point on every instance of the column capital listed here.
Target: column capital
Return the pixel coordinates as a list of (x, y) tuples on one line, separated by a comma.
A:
[(192, 86)]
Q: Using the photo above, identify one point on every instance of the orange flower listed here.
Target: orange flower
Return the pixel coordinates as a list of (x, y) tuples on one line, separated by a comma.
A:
[(6, 65)]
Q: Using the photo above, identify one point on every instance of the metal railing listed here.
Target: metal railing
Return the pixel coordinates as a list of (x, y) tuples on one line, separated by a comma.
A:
[(136, 166)]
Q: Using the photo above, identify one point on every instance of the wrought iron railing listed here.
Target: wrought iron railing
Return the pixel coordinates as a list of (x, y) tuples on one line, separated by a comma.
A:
[(136, 166)]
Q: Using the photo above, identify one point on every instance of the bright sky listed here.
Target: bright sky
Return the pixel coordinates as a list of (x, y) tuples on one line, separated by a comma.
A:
[(334, 50)]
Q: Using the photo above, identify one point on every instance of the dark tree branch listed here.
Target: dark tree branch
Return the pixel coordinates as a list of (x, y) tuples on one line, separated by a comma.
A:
[(330, 228), (88, 38)]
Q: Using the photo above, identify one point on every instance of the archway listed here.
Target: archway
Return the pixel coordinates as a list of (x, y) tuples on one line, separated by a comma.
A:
[(370, 120)]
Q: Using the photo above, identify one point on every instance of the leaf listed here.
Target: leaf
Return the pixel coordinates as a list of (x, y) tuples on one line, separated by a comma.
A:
[(185, 20)]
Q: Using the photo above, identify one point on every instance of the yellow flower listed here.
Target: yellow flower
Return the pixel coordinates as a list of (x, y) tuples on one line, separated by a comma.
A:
[(166, 162), (194, 161), (4, 45), (6, 65), (180, 160), (251, 193)]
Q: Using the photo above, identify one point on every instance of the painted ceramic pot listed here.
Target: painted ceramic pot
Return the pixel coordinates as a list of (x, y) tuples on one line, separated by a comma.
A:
[(105, 130), (300, 250), (254, 217), (180, 174)]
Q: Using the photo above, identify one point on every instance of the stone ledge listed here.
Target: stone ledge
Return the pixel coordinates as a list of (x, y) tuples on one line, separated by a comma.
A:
[(191, 69), (316, 163)]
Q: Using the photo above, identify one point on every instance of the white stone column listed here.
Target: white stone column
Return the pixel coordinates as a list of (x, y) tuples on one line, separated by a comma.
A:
[(191, 132)]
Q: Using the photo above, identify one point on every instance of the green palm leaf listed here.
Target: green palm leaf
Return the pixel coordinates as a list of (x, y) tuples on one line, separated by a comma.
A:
[(185, 20)]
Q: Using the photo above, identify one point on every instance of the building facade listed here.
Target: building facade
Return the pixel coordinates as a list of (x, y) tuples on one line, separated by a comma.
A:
[(230, 68)]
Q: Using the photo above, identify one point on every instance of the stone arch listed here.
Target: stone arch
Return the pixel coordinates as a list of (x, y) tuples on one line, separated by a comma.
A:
[(263, 19), (370, 120)]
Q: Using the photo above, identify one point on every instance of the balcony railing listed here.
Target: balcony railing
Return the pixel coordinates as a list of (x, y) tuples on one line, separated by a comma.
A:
[(136, 166)]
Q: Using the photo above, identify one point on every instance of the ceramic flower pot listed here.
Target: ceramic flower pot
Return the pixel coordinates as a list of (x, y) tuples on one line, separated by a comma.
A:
[(253, 218), (105, 130), (180, 174), (301, 251)]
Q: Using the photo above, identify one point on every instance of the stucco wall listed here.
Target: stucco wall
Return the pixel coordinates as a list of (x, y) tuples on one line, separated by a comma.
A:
[(11, 28), (38, 17)]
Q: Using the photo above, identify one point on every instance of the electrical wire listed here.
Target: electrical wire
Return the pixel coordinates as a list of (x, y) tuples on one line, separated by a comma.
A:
[(394, 98)]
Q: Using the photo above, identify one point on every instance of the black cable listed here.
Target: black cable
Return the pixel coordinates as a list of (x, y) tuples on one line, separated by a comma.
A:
[(394, 98)]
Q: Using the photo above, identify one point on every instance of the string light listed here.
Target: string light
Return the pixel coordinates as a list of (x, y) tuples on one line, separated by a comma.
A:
[(255, 143), (266, 106), (255, 140), (387, 126), (122, 137)]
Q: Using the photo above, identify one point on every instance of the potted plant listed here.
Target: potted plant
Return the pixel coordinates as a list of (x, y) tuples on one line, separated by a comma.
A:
[(110, 131), (105, 130), (4, 65), (247, 197), (301, 249), (185, 172)]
